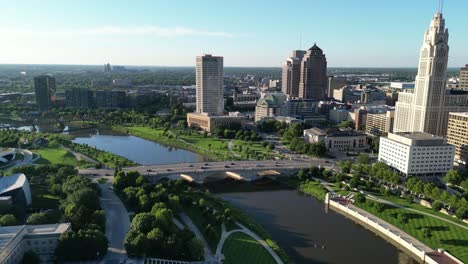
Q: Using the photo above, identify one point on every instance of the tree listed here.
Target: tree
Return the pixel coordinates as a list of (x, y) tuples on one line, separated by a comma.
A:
[(86, 244), (462, 213), (347, 123), (30, 257), (437, 206), (360, 198), (195, 249), (136, 243), (37, 219), (363, 159), (8, 220), (143, 222), (453, 177), (379, 207)]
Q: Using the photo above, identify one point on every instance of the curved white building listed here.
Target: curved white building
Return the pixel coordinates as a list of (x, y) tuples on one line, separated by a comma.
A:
[(16, 187), (7, 154)]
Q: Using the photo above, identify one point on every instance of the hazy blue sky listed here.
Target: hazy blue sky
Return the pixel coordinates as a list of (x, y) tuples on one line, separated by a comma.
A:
[(246, 32)]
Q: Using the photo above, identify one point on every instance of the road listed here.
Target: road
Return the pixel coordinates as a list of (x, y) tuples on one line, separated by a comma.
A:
[(117, 224), (167, 169)]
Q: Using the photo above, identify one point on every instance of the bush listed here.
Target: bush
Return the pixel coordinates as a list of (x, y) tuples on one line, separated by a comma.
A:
[(402, 218), (360, 198), (37, 219), (437, 206), (462, 213), (379, 207), (8, 220)]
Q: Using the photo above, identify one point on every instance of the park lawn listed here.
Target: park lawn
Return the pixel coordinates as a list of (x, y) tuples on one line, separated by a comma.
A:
[(403, 202), (42, 199), (242, 248), (208, 143), (452, 238), (143, 132), (56, 155), (256, 147)]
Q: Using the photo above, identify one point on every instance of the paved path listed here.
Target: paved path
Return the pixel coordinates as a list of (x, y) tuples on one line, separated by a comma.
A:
[(416, 211), (230, 146), (245, 230), (188, 222), (117, 224)]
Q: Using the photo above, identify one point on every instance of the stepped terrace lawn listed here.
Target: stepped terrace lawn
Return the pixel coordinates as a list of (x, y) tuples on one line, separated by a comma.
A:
[(56, 155), (241, 248), (452, 238)]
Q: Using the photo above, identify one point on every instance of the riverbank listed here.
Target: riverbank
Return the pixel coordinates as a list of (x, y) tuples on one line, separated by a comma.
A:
[(389, 232), (214, 148)]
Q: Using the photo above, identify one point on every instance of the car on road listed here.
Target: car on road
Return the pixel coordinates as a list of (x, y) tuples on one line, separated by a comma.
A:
[(111, 188), (232, 163), (258, 165), (107, 174), (327, 161), (206, 164), (149, 170), (190, 165), (169, 169), (202, 167), (226, 166)]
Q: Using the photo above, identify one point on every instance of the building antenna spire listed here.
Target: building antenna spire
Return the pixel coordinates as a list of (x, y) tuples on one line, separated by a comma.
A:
[(300, 40), (440, 7)]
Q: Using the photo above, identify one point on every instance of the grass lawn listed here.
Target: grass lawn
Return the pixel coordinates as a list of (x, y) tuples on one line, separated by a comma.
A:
[(311, 188), (452, 238), (56, 155), (418, 207), (42, 199), (241, 248)]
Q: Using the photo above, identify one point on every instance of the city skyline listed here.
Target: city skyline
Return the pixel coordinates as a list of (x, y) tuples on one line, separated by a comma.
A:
[(161, 34)]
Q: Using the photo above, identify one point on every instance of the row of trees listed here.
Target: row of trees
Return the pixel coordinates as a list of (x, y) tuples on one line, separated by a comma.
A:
[(153, 232)]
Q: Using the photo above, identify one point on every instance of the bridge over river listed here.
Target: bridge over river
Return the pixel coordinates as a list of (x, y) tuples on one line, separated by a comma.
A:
[(199, 172)]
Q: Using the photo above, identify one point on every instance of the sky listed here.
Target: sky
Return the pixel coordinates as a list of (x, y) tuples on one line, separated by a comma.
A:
[(352, 33)]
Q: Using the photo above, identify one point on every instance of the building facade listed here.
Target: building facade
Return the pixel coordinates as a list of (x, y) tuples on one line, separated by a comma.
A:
[(209, 122), (111, 99), (314, 80), (291, 76), (79, 98), (42, 239), (271, 105), (417, 153), (464, 78), (427, 108), (457, 135), (44, 87), (334, 83), (209, 84), (379, 124), (337, 139)]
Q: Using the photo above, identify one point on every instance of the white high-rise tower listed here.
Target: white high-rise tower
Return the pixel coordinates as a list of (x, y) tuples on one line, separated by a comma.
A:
[(209, 84), (427, 108)]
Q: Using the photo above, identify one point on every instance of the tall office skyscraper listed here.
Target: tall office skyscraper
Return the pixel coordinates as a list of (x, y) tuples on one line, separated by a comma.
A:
[(427, 108), (291, 76), (44, 86), (464, 78), (292, 73), (209, 83), (313, 83)]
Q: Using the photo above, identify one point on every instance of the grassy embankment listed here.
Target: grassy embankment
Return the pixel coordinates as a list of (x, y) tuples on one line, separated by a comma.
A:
[(452, 238), (214, 148), (241, 248)]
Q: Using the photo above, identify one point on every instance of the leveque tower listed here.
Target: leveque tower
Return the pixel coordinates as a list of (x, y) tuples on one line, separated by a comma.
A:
[(426, 108)]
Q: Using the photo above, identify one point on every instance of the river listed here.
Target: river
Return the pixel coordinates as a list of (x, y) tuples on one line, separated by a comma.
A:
[(137, 149)]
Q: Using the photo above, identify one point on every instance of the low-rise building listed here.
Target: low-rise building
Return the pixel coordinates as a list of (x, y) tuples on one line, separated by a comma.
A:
[(417, 153), (457, 135), (337, 139), (209, 122), (42, 239), (380, 123), (271, 105)]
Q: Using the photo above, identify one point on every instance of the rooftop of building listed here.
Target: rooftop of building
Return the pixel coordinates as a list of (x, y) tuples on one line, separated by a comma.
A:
[(334, 132), (271, 100), (417, 139), (9, 233), (12, 182), (462, 114)]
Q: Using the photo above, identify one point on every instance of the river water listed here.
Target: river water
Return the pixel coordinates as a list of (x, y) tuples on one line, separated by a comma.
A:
[(137, 149)]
